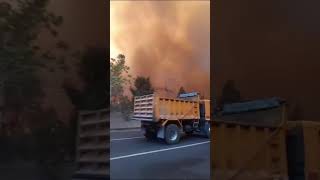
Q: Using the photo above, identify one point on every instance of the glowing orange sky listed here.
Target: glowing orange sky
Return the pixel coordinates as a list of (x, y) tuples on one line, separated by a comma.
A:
[(166, 40)]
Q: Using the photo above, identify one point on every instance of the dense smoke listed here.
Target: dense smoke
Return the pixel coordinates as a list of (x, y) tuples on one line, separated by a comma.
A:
[(83, 26), (270, 49), (166, 40)]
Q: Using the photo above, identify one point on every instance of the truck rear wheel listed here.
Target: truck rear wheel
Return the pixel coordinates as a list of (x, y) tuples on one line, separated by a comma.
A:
[(172, 134), (207, 129)]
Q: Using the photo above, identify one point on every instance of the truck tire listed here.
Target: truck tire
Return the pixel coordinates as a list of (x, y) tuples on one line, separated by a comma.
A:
[(172, 134), (207, 129)]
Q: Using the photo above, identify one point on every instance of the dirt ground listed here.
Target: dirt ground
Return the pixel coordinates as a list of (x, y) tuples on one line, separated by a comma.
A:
[(118, 122)]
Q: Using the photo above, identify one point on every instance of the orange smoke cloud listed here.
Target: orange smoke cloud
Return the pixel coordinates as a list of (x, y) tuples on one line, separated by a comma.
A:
[(169, 41)]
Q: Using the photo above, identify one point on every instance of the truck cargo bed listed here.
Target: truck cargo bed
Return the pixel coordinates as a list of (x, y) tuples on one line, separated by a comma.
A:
[(154, 108)]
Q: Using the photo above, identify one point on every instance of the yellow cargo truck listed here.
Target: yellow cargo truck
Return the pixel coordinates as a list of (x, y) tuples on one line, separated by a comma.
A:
[(249, 141), (168, 118), (247, 152)]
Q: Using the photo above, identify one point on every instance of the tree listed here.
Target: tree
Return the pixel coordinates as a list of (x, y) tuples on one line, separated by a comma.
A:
[(93, 72), (125, 107), (181, 91), (20, 57), (142, 86), (118, 70), (230, 93)]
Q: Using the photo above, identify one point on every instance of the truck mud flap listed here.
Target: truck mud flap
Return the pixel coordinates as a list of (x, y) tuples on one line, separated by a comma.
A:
[(160, 133)]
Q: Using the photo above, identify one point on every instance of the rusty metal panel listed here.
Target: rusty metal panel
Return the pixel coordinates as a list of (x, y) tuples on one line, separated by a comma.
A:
[(242, 151)]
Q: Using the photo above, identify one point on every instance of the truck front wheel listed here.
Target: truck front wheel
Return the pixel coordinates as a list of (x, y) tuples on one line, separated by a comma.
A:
[(172, 134)]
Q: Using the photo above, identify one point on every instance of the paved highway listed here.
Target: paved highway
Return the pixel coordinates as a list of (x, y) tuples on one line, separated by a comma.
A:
[(134, 157)]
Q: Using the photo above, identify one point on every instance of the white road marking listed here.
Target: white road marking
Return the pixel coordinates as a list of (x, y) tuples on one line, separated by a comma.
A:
[(160, 150), (120, 139)]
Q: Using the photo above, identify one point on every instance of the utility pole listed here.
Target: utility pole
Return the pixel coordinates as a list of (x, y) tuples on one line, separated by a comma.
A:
[(213, 90), (1, 104)]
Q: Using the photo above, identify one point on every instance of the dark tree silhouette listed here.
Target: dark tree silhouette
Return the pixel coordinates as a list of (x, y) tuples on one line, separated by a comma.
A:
[(230, 93), (181, 91), (21, 58), (94, 72), (142, 86)]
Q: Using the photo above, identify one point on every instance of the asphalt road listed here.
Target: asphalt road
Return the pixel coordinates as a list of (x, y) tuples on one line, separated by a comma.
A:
[(134, 157)]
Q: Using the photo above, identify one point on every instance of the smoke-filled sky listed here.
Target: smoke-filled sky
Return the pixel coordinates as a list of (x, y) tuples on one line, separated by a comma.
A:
[(270, 48), (166, 40), (83, 26)]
